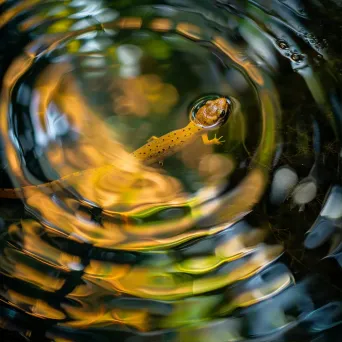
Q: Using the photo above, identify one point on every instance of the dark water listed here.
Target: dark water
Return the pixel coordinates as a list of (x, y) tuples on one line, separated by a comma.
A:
[(233, 242)]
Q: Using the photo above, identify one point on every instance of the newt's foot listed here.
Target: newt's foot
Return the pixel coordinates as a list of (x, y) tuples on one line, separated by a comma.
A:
[(217, 141)]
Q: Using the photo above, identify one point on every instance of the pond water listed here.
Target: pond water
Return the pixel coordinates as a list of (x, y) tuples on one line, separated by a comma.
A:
[(124, 217)]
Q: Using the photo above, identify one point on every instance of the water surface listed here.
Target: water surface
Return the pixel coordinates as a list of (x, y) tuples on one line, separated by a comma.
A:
[(232, 242)]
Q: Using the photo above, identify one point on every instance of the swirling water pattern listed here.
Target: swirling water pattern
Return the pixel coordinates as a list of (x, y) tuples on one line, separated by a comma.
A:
[(200, 247)]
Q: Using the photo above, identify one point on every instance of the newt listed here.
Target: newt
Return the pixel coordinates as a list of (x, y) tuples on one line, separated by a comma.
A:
[(209, 117)]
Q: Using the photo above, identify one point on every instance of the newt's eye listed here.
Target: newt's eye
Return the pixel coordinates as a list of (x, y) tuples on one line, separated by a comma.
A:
[(223, 113)]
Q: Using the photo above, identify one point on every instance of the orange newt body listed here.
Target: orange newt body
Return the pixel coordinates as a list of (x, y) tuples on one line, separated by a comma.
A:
[(209, 117), (158, 149)]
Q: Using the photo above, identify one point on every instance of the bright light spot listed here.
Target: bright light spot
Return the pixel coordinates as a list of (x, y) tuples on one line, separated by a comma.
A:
[(305, 193), (94, 62), (76, 266), (333, 205), (91, 45), (129, 54), (88, 35), (80, 25), (107, 15), (91, 9), (57, 123), (284, 181), (79, 3), (129, 71)]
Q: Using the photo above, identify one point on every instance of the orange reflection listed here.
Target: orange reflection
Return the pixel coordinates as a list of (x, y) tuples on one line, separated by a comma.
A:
[(31, 22), (158, 283), (101, 317), (10, 13), (215, 167), (32, 306), (129, 23), (161, 24), (239, 58), (189, 30), (37, 248), (143, 95), (13, 267)]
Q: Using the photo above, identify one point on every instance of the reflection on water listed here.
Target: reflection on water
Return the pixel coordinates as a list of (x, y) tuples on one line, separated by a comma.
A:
[(179, 166)]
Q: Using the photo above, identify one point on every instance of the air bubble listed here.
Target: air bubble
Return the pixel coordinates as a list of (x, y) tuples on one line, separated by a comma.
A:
[(283, 45), (296, 57)]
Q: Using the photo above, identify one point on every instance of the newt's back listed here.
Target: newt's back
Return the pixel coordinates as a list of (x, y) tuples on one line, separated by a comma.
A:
[(157, 149)]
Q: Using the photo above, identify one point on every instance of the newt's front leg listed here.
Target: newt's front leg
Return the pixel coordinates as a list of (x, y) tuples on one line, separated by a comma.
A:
[(214, 141)]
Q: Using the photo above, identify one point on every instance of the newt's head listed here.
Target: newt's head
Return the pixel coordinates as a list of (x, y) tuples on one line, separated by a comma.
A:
[(213, 112)]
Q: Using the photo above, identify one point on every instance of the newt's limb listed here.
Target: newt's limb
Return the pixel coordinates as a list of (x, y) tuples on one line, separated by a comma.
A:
[(214, 141)]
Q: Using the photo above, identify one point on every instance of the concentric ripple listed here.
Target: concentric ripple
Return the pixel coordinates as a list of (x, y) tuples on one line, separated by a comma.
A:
[(201, 246)]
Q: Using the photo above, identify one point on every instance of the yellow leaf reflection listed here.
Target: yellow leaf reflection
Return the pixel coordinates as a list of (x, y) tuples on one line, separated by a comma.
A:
[(32, 306), (85, 317)]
